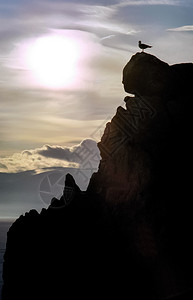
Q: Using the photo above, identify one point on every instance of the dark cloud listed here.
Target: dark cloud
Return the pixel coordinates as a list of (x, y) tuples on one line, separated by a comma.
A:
[(3, 166), (26, 152), (55, 152), (78, 154)]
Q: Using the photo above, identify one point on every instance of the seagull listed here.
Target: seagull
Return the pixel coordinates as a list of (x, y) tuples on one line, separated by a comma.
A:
[(143, 46)]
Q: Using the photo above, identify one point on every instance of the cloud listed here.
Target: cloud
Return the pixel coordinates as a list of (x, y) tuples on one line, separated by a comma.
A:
[(147, 2), (182, 28), (108, 37), (38, 17), (76, 154), (3, 167), (84, 155)]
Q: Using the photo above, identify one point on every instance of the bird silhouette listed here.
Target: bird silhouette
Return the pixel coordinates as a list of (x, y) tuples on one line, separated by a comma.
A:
[(143, 46)]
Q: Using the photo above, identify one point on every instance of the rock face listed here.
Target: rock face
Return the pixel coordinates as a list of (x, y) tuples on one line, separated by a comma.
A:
[(147, 75), (130, 233)]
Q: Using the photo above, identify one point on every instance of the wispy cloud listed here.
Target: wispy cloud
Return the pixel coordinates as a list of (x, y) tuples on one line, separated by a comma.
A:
[(182, 28), (147, 2), (108, 37)]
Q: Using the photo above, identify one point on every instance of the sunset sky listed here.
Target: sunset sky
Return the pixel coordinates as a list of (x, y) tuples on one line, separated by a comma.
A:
[(61, 75)]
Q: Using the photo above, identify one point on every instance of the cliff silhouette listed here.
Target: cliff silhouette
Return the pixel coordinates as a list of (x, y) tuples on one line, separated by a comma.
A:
[(130, 233)]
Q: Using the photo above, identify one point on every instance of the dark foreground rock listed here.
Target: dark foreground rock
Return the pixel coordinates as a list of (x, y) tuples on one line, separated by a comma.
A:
[(130, 234)]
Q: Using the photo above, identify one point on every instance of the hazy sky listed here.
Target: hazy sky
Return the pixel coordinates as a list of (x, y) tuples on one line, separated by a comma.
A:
[(61, 70)]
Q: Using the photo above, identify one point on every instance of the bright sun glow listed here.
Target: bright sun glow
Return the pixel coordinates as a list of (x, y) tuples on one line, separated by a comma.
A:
[(53, 60)]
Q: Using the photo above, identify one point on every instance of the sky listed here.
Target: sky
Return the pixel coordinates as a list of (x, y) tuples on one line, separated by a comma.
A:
[(61, 68)]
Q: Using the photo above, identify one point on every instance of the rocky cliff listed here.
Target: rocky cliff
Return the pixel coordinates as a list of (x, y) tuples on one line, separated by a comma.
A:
[(130, 233)]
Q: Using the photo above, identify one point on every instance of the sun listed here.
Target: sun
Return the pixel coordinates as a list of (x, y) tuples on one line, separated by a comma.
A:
[(53, 60)]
